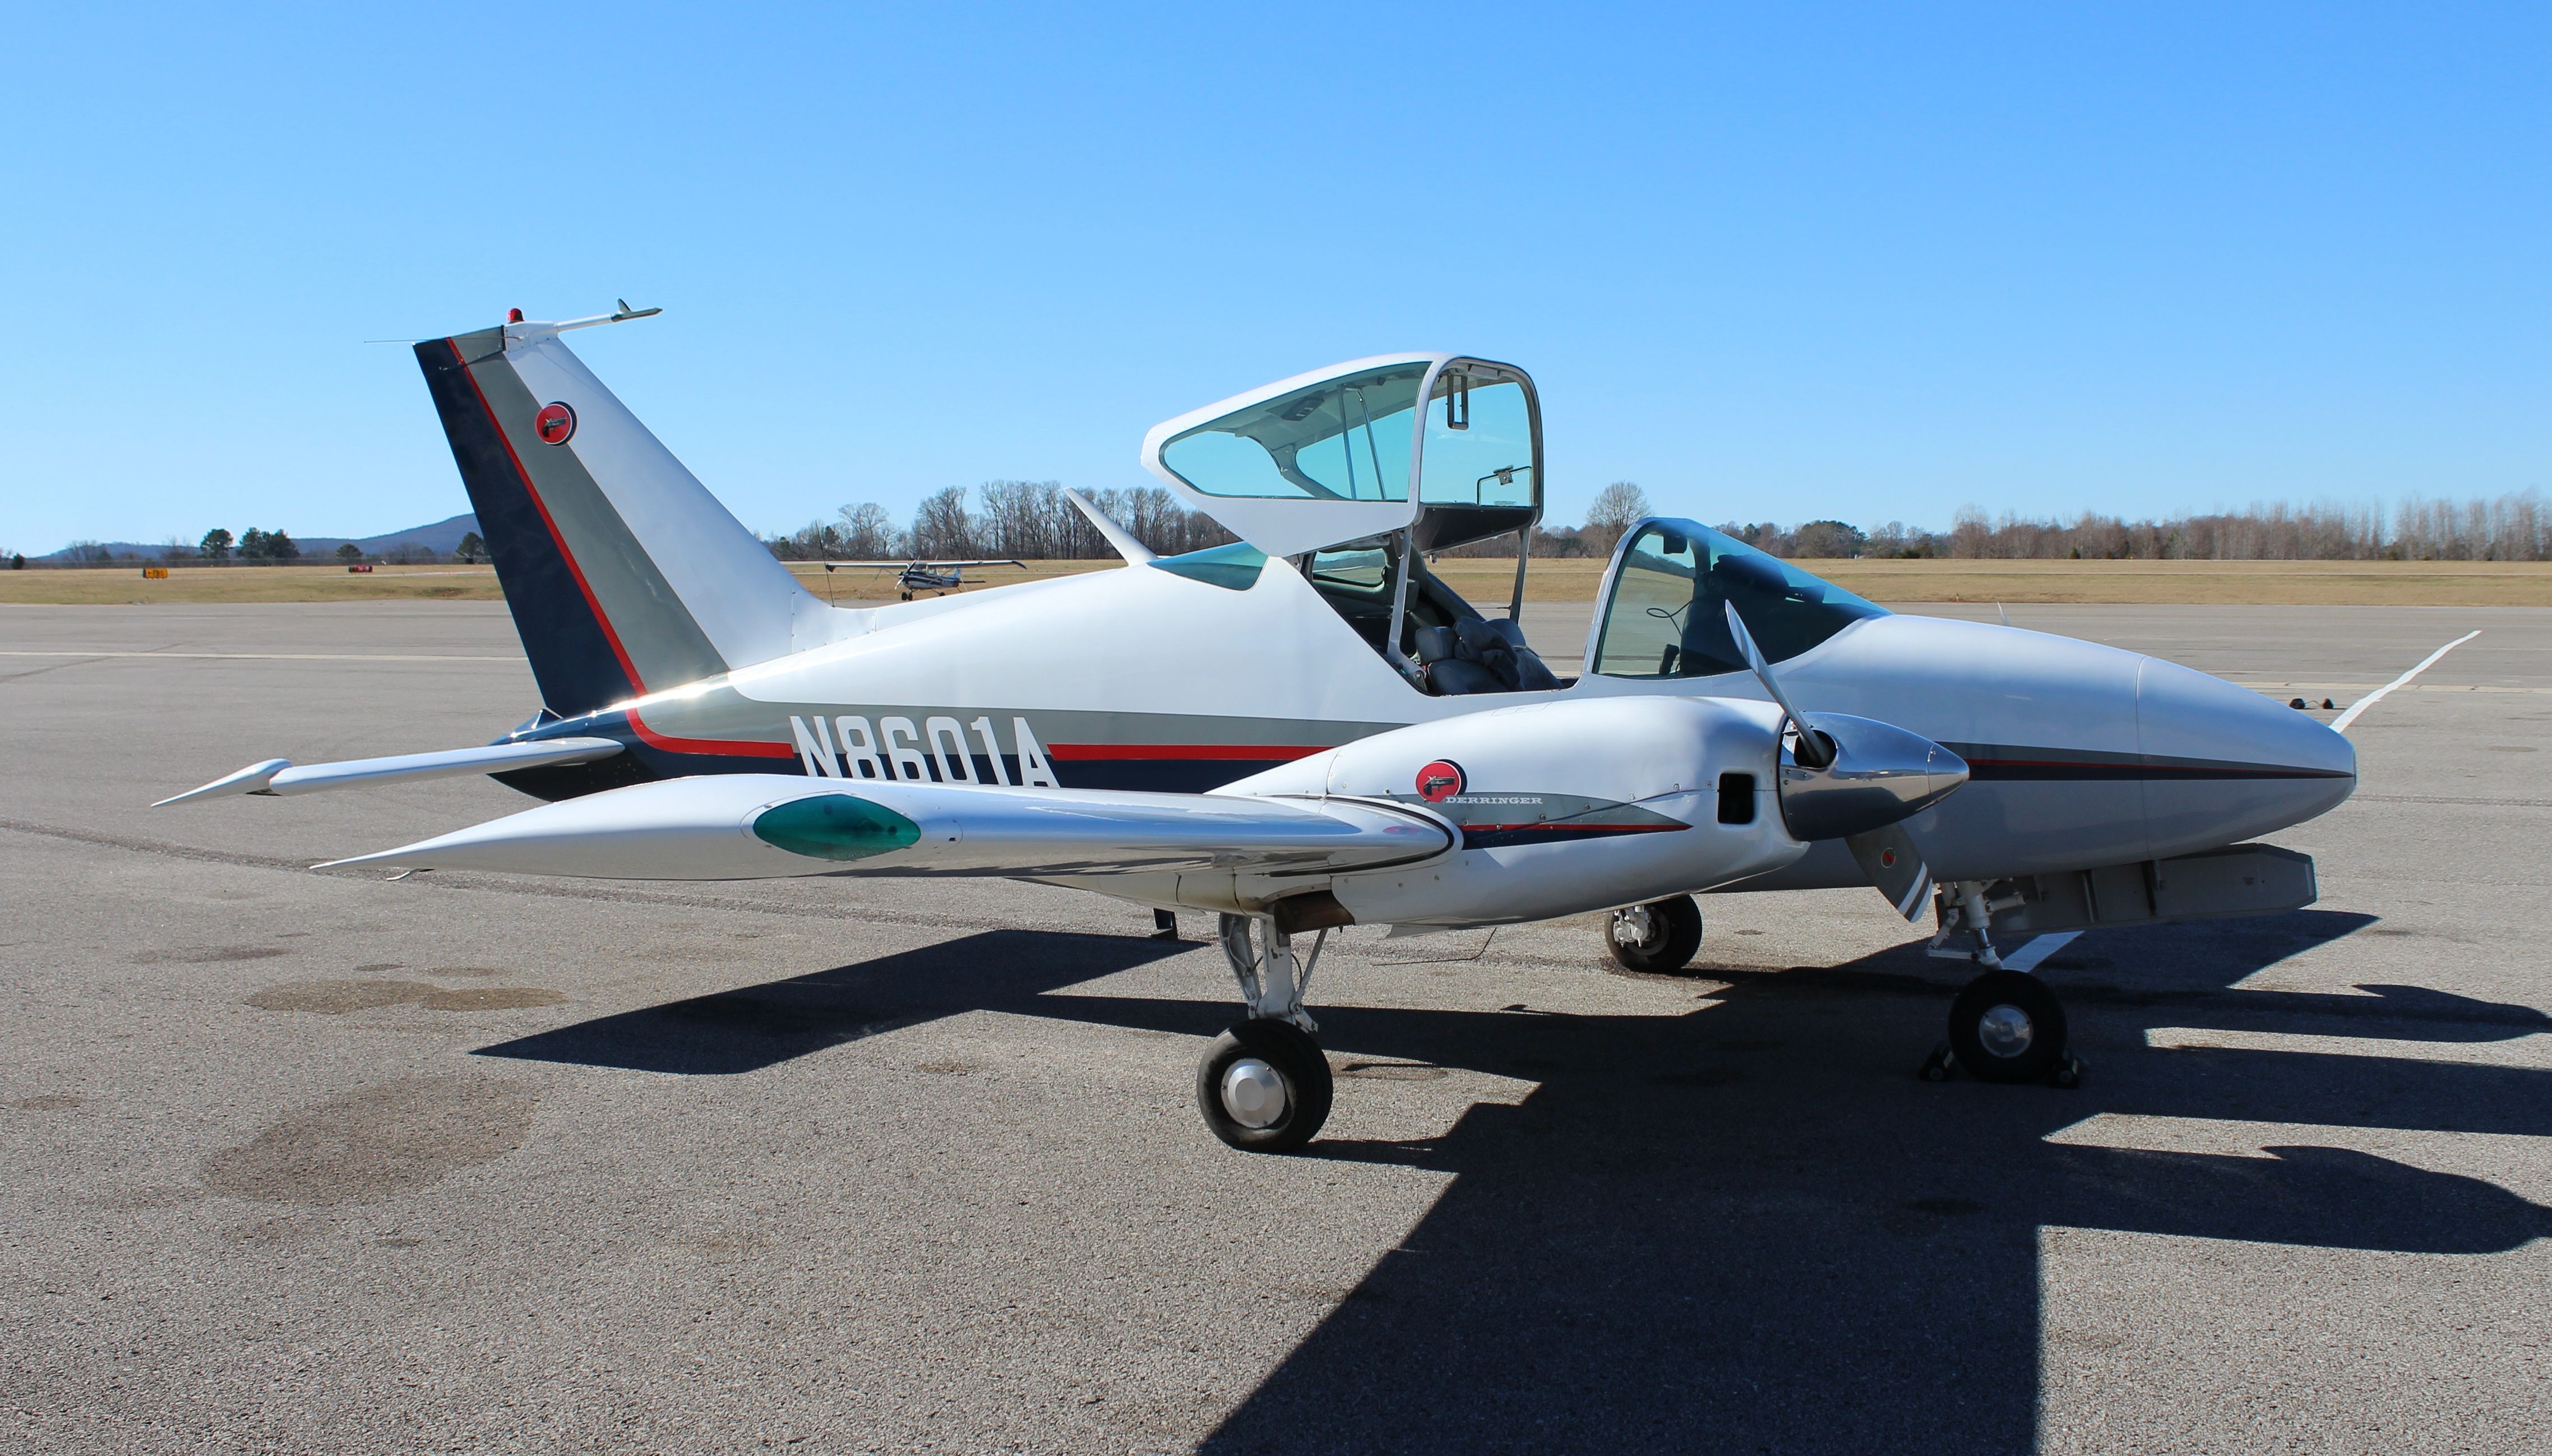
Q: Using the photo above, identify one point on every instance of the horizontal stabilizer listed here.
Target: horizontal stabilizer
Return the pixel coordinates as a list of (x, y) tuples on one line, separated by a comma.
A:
[(1134, 552), (281, 777), (769, 826)]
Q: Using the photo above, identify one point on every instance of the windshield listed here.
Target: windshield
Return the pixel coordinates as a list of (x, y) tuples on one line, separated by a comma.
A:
[(1666, 618), (1338, 439)]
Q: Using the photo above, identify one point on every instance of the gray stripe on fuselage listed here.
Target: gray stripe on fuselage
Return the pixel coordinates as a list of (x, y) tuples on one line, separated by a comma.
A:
[(722, 712), (663, 643)]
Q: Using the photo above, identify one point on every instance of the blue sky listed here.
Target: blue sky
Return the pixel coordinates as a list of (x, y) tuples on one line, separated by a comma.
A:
[(1773, 262)]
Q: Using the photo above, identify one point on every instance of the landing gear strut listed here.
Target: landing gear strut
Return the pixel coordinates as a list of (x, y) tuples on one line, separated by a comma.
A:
[(1264, 1084), (1661, 936)]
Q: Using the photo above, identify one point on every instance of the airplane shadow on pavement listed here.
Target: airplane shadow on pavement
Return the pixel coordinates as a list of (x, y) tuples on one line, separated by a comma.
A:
[(1750, 1229), (756, 1026)]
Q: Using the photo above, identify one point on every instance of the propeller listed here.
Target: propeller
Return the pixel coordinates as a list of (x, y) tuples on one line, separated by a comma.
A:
[(1857, 780)]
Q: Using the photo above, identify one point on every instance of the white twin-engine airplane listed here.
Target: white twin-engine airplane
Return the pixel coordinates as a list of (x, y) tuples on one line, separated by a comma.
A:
[(1310, 730)]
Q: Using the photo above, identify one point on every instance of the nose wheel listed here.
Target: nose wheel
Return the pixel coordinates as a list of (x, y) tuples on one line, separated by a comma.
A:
[(2007, 1026)]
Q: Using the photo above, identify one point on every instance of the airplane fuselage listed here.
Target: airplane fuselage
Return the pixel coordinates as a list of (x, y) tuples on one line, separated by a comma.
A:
[(1156, 677)]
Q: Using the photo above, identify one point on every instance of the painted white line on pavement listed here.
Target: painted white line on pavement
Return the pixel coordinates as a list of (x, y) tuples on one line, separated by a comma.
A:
[(271, 657), (2340, 723)]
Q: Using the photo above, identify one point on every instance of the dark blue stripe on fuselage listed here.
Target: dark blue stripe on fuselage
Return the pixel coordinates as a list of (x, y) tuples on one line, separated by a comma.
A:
[(1991, 761), (641, 762)]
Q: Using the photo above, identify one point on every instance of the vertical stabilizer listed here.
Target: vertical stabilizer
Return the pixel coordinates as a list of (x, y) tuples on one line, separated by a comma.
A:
[(624, 574)]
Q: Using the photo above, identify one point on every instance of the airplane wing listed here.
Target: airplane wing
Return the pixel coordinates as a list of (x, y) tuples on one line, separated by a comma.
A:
[(282, 776), (763, 826), (927, 566)]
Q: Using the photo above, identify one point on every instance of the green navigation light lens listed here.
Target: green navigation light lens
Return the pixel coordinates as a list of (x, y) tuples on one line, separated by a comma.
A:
[(835, 826)]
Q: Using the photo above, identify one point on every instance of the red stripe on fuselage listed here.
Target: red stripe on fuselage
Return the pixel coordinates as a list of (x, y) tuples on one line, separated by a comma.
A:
[(592, 604), (1573, 828), (728, 746), (1252, 752)]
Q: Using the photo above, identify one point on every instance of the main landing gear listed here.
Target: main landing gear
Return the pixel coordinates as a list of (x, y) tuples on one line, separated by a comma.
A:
[(1264, 1084), (1661, 936), (2006, 1025)]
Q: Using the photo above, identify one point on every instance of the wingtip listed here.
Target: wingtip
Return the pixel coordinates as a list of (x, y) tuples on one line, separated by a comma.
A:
[(251, 779), (378, 856)]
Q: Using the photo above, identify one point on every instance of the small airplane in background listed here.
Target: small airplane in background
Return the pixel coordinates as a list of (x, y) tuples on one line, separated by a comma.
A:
[(933, 577), (1309, 729)]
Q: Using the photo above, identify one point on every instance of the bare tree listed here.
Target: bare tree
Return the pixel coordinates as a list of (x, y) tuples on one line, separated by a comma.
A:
[(941, 527), (1616, 507), (868, 532)]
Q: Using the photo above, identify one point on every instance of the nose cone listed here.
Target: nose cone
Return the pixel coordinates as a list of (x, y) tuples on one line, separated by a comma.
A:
[(2222, 763), (1880, 773)]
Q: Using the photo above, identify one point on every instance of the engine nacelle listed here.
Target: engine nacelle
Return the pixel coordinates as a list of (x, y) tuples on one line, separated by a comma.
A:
[(1563, 807)]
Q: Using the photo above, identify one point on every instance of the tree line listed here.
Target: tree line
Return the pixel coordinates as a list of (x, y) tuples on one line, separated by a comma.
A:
[(1026, 519), (2510, 528), (1032, 520), (257, 546)]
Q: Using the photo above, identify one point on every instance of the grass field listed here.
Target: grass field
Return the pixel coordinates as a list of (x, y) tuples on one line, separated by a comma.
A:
[(2269, 584), (2264, 583)]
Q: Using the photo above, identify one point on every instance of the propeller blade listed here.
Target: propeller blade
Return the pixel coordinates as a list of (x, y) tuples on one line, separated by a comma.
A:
[(1813, 752), (1888, 855)]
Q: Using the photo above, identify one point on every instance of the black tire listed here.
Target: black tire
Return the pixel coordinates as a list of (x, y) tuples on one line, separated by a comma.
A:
[(1674, 938), (1298, 1062), (1989, 1053)]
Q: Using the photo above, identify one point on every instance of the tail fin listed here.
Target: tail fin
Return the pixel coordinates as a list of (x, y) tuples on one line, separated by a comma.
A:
[(624, 574)]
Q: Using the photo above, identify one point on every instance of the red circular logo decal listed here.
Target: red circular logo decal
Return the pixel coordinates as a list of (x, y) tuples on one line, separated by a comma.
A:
[(555, 424), (1439, 780)]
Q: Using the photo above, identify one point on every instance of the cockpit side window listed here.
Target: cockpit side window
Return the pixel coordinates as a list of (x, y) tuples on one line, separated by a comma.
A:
[(1666, 618)]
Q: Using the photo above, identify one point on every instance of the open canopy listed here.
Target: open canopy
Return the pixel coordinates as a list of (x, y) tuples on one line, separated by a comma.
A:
[(1327, 457)]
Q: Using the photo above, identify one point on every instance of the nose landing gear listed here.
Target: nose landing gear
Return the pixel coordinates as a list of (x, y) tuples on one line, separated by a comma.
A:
[(1264, 1084), (2005, 1026)]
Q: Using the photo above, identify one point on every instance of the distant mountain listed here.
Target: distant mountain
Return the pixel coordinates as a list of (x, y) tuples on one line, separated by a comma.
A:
[(442, 538)]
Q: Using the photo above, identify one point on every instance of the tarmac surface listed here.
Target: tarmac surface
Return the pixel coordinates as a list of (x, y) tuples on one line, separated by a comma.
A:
[(314, 1162)]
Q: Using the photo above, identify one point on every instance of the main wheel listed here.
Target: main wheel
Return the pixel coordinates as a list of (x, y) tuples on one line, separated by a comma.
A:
[(1264, 1086), (1661, 936), (2007, 1027)]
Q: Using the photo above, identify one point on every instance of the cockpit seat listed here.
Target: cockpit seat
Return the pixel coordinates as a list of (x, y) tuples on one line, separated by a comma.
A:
[(1448, 673), (1498, 645), (1475, 655)]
